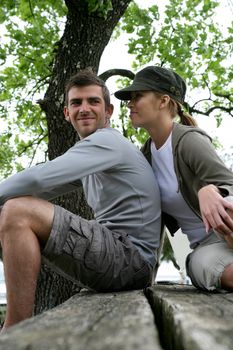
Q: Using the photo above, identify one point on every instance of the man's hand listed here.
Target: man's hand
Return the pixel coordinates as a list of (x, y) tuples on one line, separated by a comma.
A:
[(217, 213)]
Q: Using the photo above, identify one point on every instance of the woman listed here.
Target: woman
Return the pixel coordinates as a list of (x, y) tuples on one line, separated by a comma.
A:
[(196, 187)]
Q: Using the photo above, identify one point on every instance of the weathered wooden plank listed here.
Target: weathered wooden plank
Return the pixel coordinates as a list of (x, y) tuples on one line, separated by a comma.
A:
[(188, 319), (116, 321)]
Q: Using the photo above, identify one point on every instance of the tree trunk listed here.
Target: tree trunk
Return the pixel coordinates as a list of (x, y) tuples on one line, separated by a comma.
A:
[(82, 44)]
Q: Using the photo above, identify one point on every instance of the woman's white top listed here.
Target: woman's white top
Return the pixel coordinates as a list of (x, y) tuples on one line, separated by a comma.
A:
[(172, 200)]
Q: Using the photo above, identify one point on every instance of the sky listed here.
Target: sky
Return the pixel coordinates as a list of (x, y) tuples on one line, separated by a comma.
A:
[(115, 56)]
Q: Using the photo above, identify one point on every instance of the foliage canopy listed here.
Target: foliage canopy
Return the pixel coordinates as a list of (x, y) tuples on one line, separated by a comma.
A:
[(181, 34)]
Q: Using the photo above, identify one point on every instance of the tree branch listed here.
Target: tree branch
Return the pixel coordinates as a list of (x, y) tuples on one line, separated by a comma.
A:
[(111, 72), (227, 96), (37, 141), (210, 110)]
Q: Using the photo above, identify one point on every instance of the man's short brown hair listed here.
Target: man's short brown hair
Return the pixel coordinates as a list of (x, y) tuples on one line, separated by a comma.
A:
[(87, 77)]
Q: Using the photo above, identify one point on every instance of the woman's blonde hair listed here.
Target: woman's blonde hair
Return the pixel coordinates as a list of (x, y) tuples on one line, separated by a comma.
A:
[(176, 110)]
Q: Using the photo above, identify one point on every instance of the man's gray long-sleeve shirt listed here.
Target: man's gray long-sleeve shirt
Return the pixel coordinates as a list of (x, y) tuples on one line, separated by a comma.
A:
[(118, 183)]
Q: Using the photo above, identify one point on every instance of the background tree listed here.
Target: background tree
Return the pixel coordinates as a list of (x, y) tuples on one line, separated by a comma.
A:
[(47, 41)]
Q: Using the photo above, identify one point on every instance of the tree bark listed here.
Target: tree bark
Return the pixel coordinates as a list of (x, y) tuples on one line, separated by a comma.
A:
[(82, 44)]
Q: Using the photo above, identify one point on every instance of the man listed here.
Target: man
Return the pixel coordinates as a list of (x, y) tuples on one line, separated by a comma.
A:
[(114, 252)]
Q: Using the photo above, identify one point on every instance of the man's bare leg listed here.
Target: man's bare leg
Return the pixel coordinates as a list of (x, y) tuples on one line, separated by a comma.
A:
[(25, 225)]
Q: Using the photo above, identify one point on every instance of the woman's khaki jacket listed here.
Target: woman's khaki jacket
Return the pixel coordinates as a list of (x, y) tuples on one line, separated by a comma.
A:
[(196, 165)]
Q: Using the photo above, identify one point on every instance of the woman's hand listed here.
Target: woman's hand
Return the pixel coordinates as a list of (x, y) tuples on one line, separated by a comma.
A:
[(217, 213)]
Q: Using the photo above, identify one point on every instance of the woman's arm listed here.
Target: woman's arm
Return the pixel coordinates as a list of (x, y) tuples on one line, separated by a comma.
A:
[(215, 182), (216, 211)]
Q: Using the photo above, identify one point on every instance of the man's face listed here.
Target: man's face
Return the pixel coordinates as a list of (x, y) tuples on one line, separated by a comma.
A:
[(86, 109)]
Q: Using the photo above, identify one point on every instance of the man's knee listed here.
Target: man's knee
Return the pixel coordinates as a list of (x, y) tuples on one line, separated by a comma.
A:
[(27, 212), (13, 208), (9, 215)]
